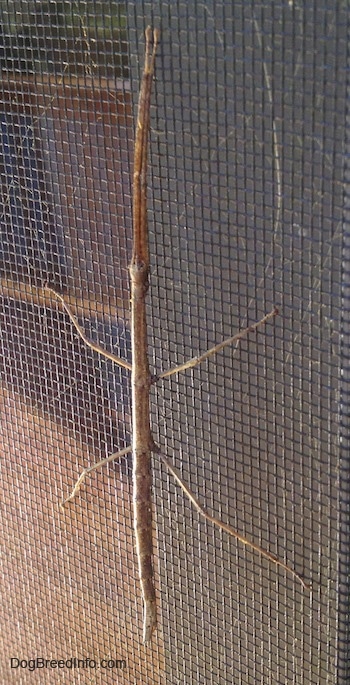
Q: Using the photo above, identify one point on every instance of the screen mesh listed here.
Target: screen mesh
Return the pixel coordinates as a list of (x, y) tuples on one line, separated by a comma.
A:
[(246, 203)]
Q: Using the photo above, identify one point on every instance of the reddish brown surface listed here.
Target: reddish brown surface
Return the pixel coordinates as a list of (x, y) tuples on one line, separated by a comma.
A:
[(69, 585)]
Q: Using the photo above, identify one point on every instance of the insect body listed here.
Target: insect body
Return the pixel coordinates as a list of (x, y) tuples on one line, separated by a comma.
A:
[(141, 379)]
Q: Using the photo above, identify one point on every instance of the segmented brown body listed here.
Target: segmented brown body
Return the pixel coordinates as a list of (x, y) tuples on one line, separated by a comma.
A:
[(141, 379), (140, 375)]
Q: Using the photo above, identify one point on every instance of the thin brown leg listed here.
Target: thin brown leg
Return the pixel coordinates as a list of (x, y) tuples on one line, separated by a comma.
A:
[(94, 346), (213, 350), (220, 524), (90, 469)]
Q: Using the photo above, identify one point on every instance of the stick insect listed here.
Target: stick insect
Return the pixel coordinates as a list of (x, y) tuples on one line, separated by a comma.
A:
[(142, 380)]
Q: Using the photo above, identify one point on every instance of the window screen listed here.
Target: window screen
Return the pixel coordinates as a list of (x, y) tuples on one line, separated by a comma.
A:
[(248, 208)]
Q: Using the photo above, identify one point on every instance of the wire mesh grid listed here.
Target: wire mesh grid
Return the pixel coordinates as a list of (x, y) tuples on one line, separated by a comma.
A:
[(246, 201)]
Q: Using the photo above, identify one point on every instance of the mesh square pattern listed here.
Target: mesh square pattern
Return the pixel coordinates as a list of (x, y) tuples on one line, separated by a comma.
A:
[(246, 211)]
